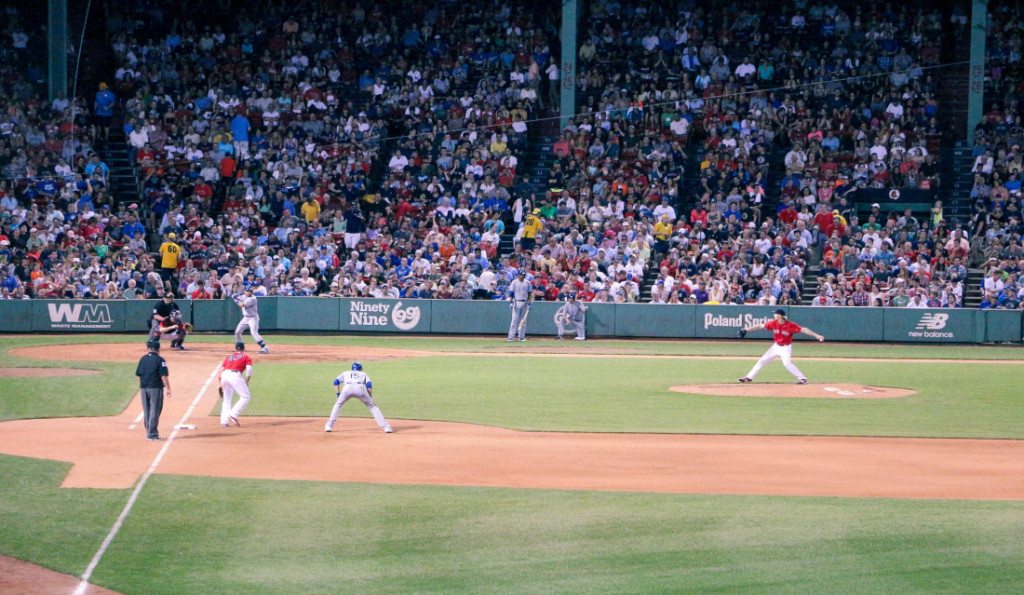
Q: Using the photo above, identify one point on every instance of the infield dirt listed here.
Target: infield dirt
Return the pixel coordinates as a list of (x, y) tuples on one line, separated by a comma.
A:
[(105, 453)]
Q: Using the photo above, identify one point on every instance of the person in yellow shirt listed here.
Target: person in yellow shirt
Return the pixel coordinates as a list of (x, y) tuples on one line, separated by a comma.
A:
[(531, 227), (170, 254), (311, 210), (662, 235)]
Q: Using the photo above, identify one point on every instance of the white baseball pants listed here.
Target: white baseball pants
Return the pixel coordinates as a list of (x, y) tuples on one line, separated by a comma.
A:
[(783, 352), (232, 382), (253, 324), (357, 391)]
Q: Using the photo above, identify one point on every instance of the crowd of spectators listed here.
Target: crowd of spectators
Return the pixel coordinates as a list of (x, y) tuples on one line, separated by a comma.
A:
[(737, 88), (372, 149), (998, 153)]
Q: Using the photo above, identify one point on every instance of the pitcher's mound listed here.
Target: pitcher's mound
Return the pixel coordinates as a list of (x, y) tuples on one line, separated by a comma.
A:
[(798, 391)]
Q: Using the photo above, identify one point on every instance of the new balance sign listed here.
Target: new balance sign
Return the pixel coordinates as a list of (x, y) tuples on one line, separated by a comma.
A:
[(79, 316), (931, 326)]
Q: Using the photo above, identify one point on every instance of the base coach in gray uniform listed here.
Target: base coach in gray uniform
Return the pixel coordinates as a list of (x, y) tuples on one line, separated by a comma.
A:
[(154, 382), (520, 295)]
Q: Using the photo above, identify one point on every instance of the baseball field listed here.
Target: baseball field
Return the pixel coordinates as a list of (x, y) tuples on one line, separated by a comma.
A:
[(546, 466)]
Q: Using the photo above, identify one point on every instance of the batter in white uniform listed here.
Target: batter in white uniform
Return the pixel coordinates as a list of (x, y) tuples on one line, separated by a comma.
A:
[(250, 319), (355, 383)]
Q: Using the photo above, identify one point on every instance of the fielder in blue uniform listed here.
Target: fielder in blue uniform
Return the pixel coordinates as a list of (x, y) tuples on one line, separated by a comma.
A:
[(355, 383), (520, 296)]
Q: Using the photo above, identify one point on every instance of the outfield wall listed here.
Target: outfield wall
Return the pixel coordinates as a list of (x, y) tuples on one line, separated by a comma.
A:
[(452, 317)]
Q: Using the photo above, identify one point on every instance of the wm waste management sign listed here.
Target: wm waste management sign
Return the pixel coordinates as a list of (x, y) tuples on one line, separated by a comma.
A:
[(397, 316), (78, 316)]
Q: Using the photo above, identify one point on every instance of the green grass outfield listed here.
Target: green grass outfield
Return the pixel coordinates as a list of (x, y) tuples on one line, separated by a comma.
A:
[(228, 536)]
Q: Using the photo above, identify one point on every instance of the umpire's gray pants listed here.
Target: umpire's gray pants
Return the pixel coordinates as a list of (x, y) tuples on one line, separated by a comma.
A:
[(152, 405), (517, 329)]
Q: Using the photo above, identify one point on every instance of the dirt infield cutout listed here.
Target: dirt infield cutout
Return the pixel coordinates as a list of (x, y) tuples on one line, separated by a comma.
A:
[(795, 391), (44, 372), (22, 577), (106, 453)]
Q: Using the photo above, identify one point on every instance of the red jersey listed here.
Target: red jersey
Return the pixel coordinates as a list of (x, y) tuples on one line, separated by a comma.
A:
[(783, 332), (237, 361)]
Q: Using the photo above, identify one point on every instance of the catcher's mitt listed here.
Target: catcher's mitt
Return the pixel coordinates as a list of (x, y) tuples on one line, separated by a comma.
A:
[(220, 392), (741, 333), (188, 327)]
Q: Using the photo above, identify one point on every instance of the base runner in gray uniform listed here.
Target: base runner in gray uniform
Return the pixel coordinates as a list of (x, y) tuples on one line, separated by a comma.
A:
[(355, 383), (250, 319), (572, 314), (520, 295)]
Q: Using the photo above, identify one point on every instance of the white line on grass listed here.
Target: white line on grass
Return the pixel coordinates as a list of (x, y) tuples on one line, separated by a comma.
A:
[(84, 583)]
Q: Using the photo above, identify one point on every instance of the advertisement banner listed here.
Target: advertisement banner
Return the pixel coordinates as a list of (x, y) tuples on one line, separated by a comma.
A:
[(930, 326), (78, 316), (725, 321), (380, 315)]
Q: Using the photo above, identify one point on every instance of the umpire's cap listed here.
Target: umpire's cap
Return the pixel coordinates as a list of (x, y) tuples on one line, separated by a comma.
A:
[(153, 344), (239, 346), (780, 311), (357, 366)]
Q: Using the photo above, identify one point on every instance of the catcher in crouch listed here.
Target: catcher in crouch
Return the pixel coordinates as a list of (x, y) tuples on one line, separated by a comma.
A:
[(166, 321)]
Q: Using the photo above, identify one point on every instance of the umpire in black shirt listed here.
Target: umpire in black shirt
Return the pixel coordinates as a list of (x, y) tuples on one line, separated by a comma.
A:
[(153, 380)]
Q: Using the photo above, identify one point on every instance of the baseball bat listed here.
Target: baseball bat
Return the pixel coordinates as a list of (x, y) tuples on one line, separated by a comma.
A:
[(522, 323)]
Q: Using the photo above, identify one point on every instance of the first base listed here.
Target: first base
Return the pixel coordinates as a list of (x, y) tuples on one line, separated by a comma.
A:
[(185, 427)]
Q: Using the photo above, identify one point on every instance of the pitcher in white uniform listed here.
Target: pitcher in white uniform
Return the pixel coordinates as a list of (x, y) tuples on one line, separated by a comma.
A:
[(355, 383), (250, 319)]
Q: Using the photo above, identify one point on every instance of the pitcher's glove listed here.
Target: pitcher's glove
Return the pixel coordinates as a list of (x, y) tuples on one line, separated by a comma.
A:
[(187, 327), (220, 392), (741, 333)]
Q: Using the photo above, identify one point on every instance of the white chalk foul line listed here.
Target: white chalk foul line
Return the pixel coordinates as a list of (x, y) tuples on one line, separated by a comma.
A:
[(84, 583), (138, 418)]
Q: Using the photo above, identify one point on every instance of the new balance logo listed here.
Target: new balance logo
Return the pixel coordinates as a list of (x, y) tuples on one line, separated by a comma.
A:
[(932, 322), (79, 315)]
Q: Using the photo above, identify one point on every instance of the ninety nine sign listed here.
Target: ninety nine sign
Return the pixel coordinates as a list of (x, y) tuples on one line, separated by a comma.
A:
[(79, 316), (380, 315)]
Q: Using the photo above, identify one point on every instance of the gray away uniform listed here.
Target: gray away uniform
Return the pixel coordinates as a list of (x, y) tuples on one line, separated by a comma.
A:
[(571, 313), (250, 320), (519, 292)]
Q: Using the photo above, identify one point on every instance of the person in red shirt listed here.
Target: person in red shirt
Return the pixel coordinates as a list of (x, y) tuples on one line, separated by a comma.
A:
[(783, 332), (235, 379)]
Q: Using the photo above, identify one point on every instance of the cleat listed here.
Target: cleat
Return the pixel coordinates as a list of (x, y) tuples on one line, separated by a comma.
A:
[(328, 429), (389, 430), (559, 338), (745, 380), (802, 381), (234, 420), (223, 425), (523, 340), (579, 339), (265, 350), (178, 347), (509, 340)]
